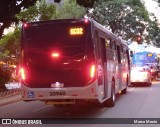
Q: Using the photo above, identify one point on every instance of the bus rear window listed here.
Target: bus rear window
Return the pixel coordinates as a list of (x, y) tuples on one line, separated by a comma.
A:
[(55, 35)]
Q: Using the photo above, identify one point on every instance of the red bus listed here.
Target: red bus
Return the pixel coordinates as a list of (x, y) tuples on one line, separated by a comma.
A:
[(64, 61)]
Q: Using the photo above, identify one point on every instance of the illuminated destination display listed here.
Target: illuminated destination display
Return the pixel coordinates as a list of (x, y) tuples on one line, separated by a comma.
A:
[(76, 31), (149, 54)]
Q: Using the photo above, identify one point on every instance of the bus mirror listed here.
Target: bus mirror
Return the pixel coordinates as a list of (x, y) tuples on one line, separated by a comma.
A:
[(131, 53)]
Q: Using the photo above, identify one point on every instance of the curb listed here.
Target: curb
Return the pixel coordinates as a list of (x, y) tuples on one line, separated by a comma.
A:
[(9, 92), (10, 99), (10, 96)]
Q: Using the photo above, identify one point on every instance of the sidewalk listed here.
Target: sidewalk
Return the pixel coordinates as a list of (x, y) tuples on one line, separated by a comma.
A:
[(8, 99), (11, 95)]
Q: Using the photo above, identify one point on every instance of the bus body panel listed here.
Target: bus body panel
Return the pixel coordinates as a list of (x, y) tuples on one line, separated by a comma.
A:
[(79, 56), (87, 92)]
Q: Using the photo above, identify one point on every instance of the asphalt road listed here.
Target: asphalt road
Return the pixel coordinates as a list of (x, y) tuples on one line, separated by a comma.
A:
[(139, 102)]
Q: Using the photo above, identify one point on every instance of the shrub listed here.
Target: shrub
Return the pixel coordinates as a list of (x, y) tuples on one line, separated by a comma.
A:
[(5, 75)]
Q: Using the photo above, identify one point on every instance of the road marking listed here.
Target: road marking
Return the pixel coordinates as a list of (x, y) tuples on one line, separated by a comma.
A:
[(41, 108)]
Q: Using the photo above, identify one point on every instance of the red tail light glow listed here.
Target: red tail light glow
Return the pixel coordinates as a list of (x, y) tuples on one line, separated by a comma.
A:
[(55, 55), (86, 20), (25, 25), (22, 73), (92, 71)]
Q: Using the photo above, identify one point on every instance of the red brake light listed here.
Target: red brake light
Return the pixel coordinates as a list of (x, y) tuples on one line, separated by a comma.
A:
[(22, 74), (92, 71), (55, 55), (86, 20), (25, 25)]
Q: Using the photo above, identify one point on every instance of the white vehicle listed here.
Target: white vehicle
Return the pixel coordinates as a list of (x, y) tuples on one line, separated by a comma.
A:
[(141, 75), (67, 60)]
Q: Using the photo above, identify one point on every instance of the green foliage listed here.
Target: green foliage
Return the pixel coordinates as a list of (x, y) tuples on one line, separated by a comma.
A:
[(43, 11), (126, 18), (29, 14), (154, 32), (46, 11), (70, 9), (10, 46), (86, 3), (5, 75), (40, 11)]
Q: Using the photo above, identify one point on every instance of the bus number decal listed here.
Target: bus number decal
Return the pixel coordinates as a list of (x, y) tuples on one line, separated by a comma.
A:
[(58, 93)]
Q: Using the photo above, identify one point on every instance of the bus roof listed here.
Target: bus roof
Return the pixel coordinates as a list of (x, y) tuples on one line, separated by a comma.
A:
[(85, 20)]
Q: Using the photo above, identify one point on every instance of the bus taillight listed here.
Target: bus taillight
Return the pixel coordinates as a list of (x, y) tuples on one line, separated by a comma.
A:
[(86, 20), (25, 25), (22, 74), (92, 71), (55, 55)]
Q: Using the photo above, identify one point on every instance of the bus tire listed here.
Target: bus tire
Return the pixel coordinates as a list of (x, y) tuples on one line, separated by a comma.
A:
[(111, 101)]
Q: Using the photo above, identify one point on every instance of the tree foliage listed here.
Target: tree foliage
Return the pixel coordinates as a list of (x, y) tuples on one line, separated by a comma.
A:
[(154, 32), (124, 18), (5, 75), (10, 46), (8, 9), (70, 9), (40, 11), (84, 3)]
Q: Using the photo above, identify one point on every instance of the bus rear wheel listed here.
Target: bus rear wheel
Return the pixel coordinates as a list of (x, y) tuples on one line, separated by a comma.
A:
[(111, 101)]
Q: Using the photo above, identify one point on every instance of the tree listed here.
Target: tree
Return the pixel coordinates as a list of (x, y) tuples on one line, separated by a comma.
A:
[(154, 32), (43, 11), (10, 47), (8, 9), (84, 3), (124, 18), (70, 9), (40, 11)]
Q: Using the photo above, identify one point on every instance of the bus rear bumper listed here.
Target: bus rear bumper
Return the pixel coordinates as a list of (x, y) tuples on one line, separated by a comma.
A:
[(57, 95)]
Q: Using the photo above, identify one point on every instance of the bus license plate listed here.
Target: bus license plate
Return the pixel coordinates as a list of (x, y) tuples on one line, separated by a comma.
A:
[(57, 93)]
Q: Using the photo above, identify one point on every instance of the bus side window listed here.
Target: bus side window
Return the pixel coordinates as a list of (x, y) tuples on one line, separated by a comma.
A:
[(128, 58), (97, 44), (119, 53), (103, 49), (122, 50), (113, 45), (110, 43)]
